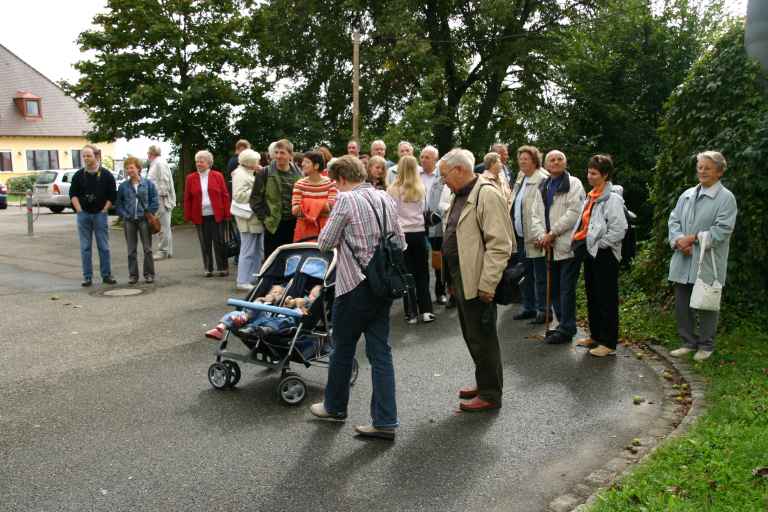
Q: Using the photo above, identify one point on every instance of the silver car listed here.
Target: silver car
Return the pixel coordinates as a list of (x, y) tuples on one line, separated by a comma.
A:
[(52, 189)]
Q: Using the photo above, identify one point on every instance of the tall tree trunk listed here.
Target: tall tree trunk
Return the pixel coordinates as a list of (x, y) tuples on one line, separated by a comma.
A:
[(480, 136)]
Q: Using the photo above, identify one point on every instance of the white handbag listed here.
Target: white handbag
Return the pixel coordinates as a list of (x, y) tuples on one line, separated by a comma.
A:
[(704, 296), (242, 210)]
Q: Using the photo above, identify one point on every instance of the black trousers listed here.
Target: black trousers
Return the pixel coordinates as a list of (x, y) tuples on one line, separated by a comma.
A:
[(416, 262), (211, 236), (478, 326), (282, 235), (436, 242), (601, 282)]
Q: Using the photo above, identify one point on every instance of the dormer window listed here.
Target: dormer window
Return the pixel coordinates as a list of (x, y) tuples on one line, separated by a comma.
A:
[(28, 104), (32, 108)]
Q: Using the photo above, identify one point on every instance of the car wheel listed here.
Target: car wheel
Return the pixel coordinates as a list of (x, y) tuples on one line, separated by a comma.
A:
[(56, 209)]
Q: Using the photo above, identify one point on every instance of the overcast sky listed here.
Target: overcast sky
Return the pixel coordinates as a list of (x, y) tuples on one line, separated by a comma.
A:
[(51, 46)]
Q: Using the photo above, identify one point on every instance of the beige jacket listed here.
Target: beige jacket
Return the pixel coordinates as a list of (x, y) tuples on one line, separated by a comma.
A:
[(160, 174), (502, 184), (563, 214), (242, 184), (531, 194), (485, 238)]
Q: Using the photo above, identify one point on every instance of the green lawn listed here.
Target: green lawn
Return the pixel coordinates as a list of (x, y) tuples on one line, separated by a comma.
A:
[(711, 467)]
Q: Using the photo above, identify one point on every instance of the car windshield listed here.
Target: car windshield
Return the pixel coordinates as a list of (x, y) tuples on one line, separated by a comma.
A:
[(46, 177)]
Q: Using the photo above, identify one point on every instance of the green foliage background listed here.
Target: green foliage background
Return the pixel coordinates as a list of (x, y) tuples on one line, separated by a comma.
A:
[(723, 106)]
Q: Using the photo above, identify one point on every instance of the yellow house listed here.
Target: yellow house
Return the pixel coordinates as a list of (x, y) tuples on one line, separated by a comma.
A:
[(40, 126)]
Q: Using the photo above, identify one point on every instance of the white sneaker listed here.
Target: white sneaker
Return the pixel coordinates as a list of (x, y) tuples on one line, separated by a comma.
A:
[(680, 352), (160, 256), (319, 411), (428, 317), (412, 320), (702, 355), (244, 286)]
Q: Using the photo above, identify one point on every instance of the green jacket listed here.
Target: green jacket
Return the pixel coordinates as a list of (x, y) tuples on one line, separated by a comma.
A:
[(695, 212), (273, 195)]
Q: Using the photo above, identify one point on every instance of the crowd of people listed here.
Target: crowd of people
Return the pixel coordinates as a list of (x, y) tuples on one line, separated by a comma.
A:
[(465, 221)]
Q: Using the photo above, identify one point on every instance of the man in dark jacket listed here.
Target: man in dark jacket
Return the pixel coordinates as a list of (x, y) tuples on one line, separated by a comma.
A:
[(93, 191)]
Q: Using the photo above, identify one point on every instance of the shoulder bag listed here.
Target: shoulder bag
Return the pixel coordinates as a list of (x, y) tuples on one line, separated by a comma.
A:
[(386, 272), (704, 296), (152, 220)]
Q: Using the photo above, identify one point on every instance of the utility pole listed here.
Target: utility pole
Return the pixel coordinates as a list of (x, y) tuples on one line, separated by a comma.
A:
[(356, 86)]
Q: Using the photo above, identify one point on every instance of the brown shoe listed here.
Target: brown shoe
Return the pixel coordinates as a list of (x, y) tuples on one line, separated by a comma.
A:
[(468, 392), (477, 404), (602, 351), (585, 342)]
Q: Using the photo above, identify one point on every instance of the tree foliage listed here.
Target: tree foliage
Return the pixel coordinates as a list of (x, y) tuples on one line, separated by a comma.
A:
[(613, 80), (160, 69), (723, 106), (440, 67)]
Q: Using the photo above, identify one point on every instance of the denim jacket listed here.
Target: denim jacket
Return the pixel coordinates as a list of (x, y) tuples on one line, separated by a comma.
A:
[(127, 207)]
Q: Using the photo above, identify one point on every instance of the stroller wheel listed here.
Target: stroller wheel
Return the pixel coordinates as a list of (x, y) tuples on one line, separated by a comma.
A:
[(234, 372), (355, 372), (218, 375), (292, 390)]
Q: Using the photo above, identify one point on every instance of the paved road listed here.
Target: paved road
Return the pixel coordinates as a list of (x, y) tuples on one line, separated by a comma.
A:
[(105, 406)]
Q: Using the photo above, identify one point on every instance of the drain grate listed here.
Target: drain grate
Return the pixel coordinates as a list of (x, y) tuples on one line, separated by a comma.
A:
[(123, 292)]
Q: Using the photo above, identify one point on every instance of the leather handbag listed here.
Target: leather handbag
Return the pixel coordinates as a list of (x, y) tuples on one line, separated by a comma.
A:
[(241, 210), (706, 297), (231, 239), (152, 220)]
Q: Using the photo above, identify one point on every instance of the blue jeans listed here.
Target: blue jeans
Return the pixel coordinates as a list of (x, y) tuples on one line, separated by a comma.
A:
[(565, 274), (534, 287), (354, 313), (88, 225)]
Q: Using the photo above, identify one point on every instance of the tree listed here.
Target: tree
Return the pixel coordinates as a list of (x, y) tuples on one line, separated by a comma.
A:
[(614, 78), (163, 68), (446, 54)]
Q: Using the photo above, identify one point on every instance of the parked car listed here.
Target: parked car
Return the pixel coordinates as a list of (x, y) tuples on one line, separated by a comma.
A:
[(3, 197), (52, 189)]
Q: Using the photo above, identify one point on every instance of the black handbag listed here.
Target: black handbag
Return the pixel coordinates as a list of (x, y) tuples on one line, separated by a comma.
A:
[(508, 289), (386, 272), (231, 239)]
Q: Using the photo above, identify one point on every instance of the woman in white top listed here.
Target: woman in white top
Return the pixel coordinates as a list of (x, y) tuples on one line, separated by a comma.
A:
[(251, 228), (408, 191)]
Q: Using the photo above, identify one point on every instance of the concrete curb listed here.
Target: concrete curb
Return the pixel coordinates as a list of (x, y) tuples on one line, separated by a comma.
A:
[(684, 402)]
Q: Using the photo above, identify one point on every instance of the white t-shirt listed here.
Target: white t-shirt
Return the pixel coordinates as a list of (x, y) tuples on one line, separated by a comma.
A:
[(207, 208)]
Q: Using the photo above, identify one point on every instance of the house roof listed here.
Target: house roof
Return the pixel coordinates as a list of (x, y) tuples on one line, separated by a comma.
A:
[(61, 115)]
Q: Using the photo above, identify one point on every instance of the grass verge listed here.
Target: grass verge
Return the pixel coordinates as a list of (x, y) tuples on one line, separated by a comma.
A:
[(712, 467)]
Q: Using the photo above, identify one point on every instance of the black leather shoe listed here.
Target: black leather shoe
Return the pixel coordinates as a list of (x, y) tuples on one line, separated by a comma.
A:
[(86, 282), (133, 280), (524, 315), (451, 303), (109, 280), (557, 338)]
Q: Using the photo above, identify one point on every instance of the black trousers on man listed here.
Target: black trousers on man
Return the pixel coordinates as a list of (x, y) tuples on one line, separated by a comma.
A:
[(211, 236), (478, 326), (282, 235), (436, 243), (601, 283)]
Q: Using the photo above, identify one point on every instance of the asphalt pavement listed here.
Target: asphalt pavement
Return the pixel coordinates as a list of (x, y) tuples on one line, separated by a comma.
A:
[(105, 404)]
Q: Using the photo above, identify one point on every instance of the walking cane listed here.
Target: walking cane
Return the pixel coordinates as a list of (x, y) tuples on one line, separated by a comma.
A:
[(548, 311)]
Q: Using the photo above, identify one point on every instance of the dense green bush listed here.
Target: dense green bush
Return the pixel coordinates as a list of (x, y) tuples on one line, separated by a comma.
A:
[(21, 184), (721, 106)]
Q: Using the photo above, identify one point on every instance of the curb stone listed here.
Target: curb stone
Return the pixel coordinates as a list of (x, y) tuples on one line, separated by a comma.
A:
[(681, 407)]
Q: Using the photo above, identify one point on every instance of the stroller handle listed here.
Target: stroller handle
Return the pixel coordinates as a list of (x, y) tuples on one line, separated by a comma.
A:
[(264, 307)]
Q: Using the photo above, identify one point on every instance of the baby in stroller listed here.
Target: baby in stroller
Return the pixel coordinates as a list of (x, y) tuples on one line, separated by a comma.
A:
[(250, 322)]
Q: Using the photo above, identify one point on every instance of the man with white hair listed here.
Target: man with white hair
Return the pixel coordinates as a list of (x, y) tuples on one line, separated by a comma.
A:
[(477, 243), (433, 185), (379, 148), (160, 174), (353, 148), (553, 219)]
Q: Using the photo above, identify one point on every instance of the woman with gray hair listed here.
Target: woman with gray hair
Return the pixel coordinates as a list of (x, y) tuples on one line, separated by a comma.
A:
[(703, 220), (250, 227), (206, 204)]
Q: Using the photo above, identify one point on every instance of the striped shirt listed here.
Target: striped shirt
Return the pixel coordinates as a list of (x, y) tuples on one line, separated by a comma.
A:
[(352, 226), (326, 189)]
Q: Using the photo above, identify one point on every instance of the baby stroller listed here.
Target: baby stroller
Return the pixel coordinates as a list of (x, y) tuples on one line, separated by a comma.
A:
[(298, 267)]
